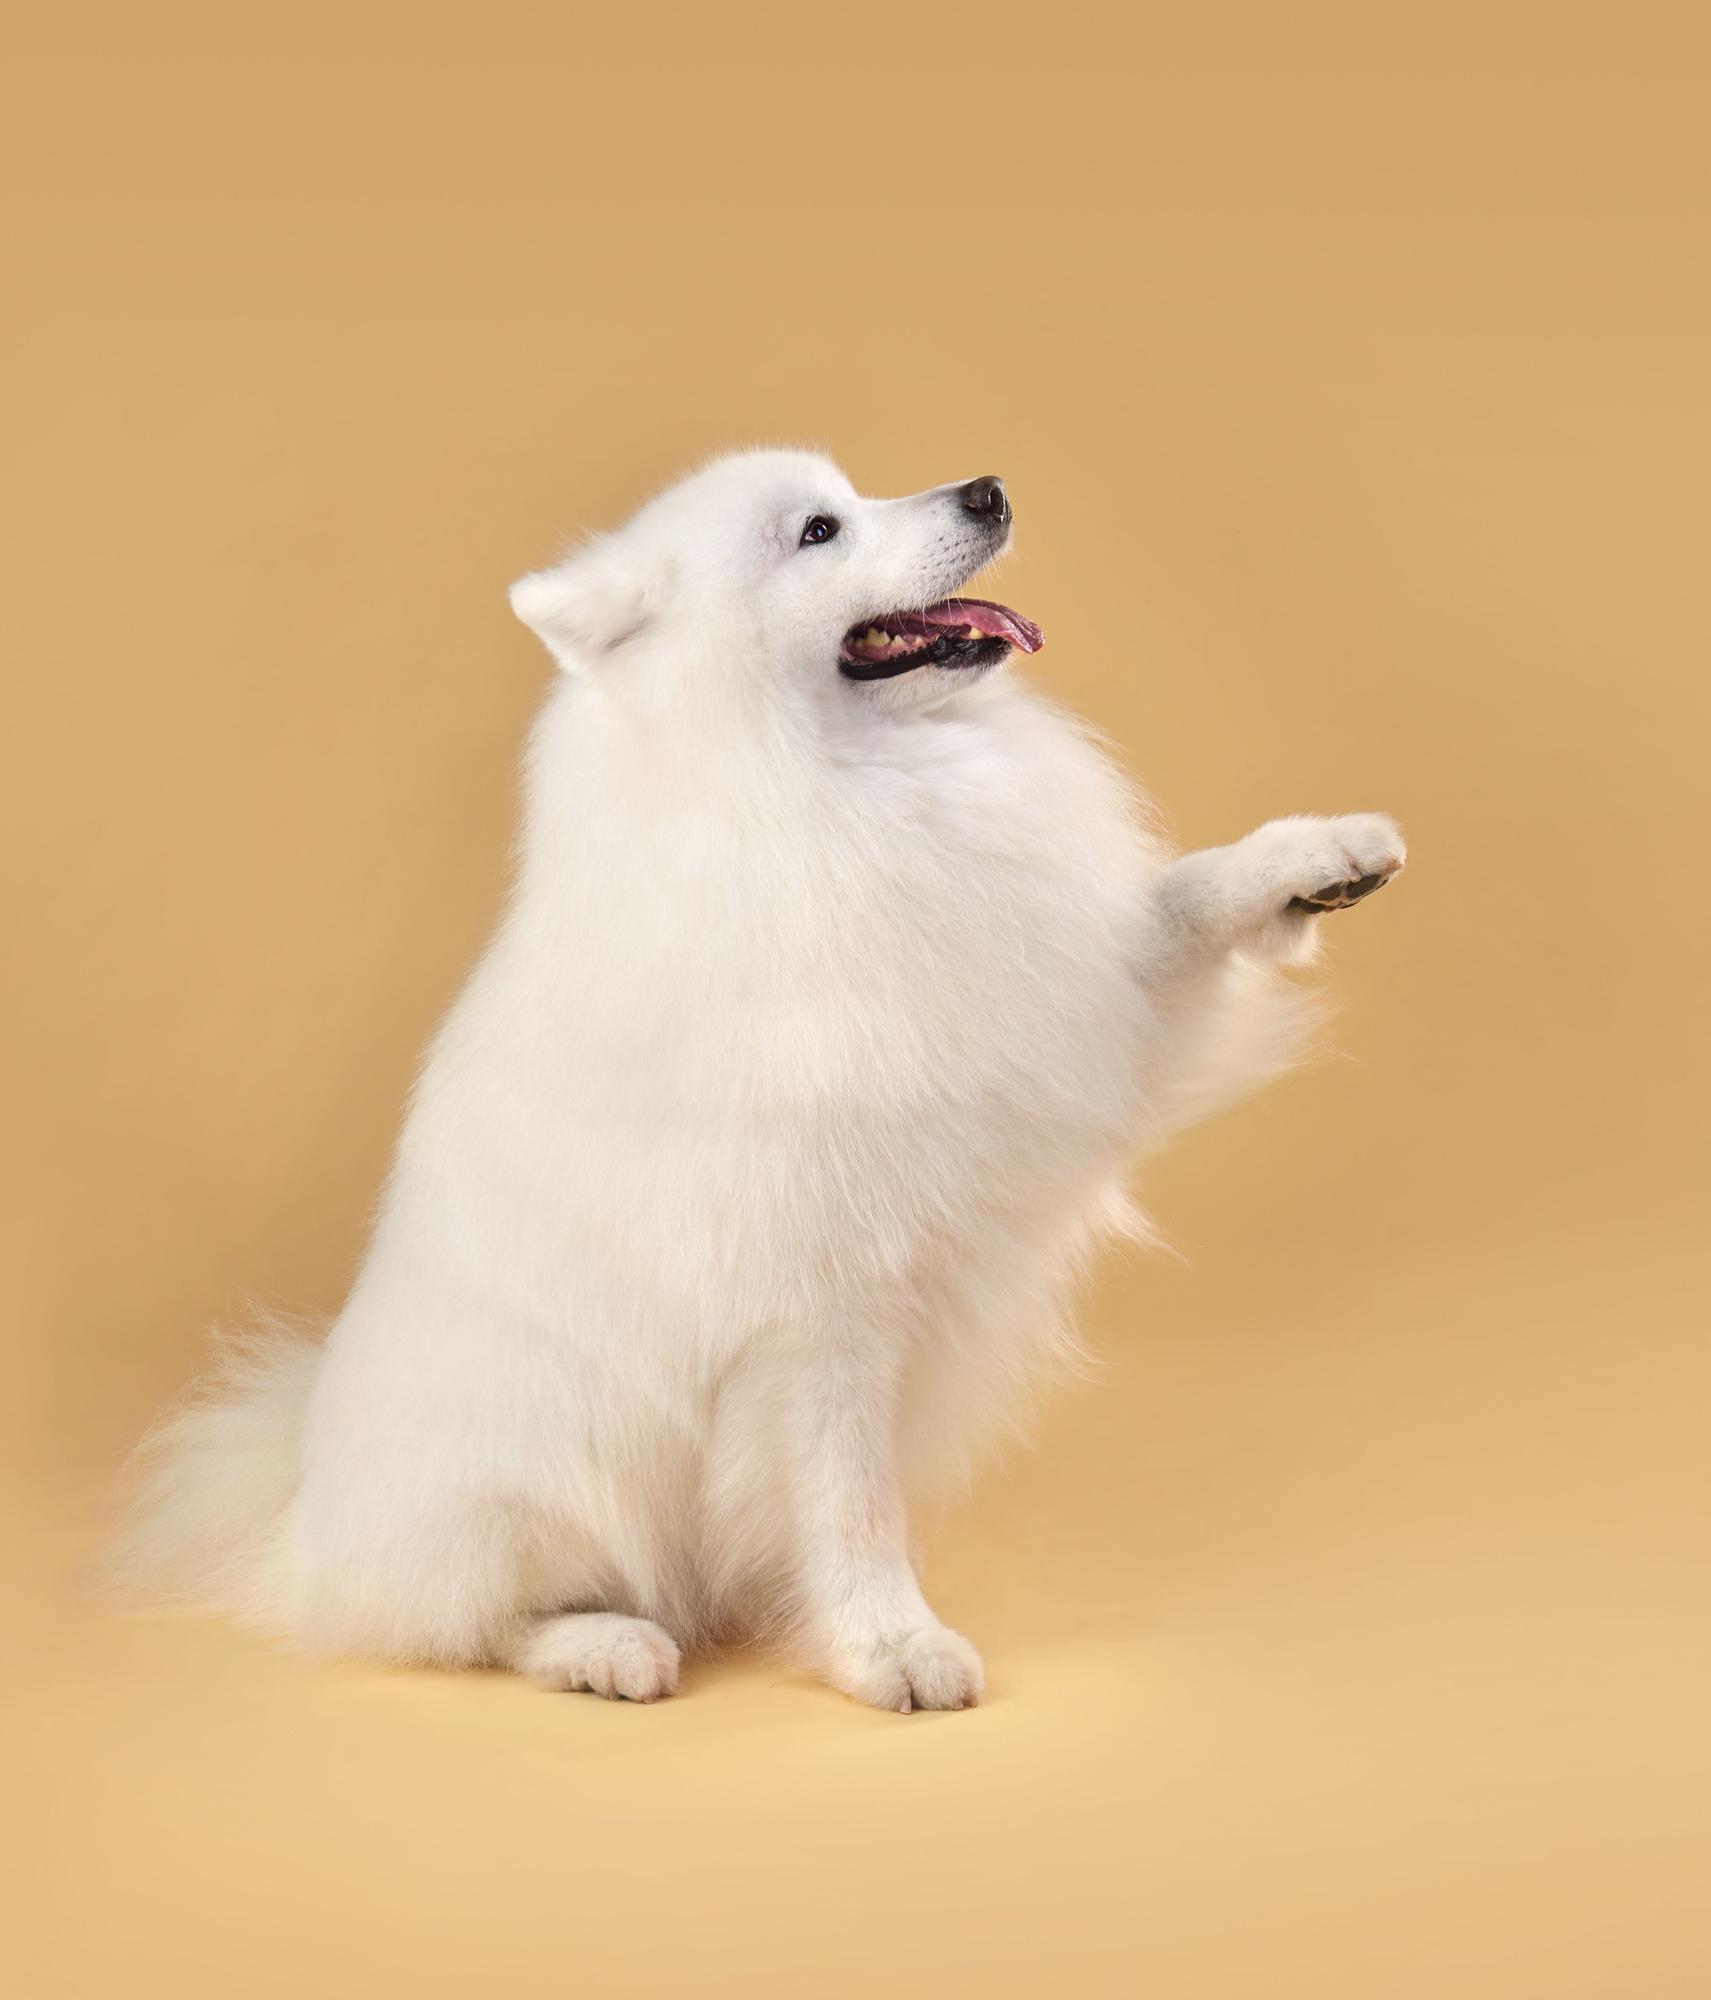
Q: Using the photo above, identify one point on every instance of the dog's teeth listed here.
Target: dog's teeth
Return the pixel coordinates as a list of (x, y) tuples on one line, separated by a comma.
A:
[(875, 637)]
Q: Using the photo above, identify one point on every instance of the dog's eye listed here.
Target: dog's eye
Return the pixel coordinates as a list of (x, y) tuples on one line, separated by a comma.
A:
[(820, 529)]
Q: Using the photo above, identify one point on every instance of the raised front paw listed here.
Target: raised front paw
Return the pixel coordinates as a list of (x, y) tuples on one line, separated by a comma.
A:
[(1331, 864), (931, 1667)]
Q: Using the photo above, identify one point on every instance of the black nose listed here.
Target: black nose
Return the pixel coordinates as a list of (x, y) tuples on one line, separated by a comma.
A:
[(986, 496)]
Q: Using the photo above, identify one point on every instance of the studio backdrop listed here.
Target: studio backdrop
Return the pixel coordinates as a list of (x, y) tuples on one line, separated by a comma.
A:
[(1345, 1632)]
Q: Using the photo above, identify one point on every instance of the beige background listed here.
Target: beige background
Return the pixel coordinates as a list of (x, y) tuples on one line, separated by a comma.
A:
[(1348, 369)]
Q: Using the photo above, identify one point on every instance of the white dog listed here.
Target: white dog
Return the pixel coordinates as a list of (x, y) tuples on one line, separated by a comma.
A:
[(744, 1183)]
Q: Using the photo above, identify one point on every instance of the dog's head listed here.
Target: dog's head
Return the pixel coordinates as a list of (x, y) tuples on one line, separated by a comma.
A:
[(769, 570)]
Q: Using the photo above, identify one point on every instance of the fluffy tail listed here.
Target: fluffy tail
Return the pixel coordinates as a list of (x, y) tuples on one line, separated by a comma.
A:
[(213, 1481)]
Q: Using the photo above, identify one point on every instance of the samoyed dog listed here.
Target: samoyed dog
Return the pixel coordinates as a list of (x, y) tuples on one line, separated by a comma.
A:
[(743, 1187)]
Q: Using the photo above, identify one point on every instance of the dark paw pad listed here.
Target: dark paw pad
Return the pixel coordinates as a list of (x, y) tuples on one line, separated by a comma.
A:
[(1339, 895)]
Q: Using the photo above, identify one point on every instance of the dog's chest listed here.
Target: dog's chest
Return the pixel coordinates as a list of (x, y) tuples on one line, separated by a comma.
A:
[(848, 1030), (931, 982)]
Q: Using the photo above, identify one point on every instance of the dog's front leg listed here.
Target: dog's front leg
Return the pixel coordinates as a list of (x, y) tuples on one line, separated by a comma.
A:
[(863, 1613), (1262, 893)]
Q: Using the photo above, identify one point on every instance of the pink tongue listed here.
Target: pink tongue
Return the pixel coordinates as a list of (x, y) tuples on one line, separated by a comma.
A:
[(961, 617)]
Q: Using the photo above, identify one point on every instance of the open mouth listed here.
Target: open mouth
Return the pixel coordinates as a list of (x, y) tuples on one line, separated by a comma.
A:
[(961, 632)]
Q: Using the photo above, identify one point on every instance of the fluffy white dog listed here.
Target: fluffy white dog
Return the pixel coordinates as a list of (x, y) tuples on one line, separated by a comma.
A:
[(743, 1185)]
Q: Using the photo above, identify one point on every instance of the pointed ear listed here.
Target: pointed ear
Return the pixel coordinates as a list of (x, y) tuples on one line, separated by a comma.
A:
[(586, 606)]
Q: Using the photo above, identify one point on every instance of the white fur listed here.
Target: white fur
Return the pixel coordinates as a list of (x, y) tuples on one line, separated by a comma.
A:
[(743, 1186)]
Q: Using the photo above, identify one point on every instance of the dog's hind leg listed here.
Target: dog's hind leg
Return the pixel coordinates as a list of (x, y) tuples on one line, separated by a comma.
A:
[(452, 1585), (383, 1573), (597, 1652)]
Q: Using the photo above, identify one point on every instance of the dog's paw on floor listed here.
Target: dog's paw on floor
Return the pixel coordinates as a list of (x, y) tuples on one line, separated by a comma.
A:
[(604, 1653), (933, 1667)]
